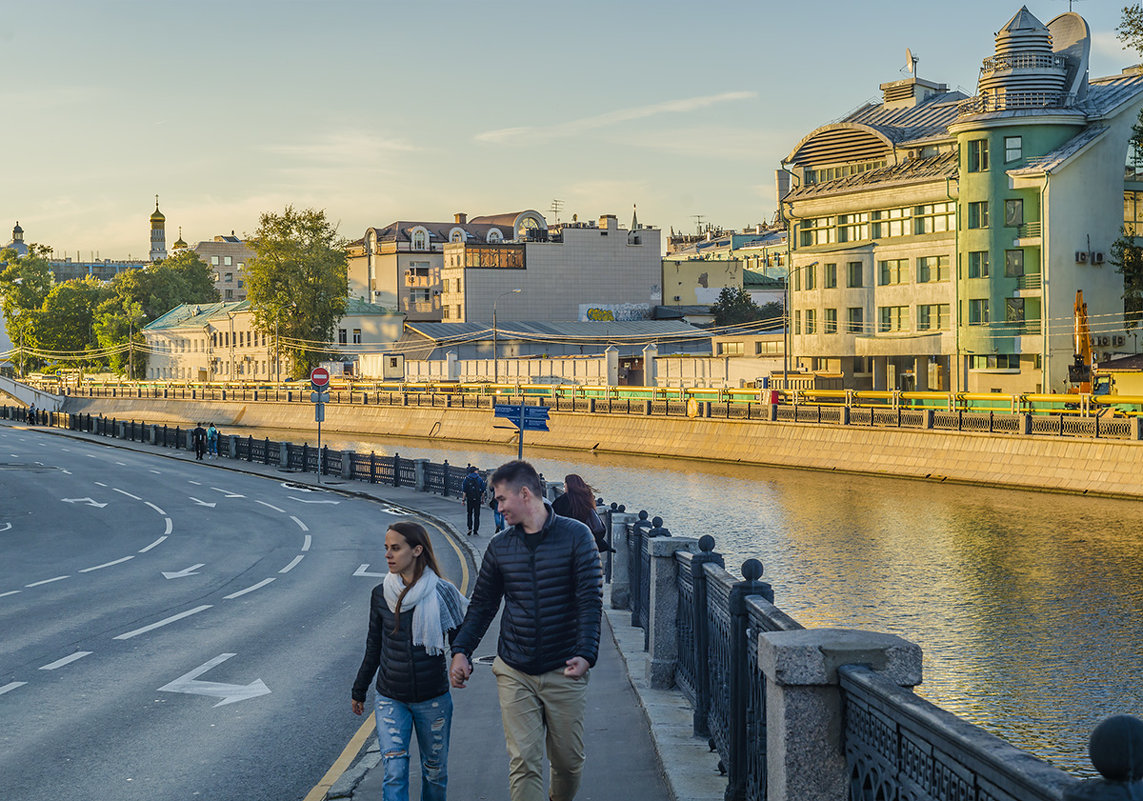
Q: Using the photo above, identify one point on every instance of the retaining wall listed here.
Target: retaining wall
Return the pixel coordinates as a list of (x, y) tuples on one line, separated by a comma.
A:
[(1112, 468)]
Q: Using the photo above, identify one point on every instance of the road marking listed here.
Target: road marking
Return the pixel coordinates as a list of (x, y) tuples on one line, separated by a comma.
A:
[(65, 472), (202, 503), (66, 450), (87, 501), (228, 493), (125, 492), (170, 526), (67, 660), (153, 544), (157, 509), (229, 693), (364, 571), (343, 762), (47, 581), (121, 464), (9, 687), (196, 483), (292, 564), (306, 544), (156, 472), (107, 564), (6, 527), (128, 635), (100, 484), (251, 588), (301, 525), (299, 500), (10, 592), (272, 506), (188, 571)]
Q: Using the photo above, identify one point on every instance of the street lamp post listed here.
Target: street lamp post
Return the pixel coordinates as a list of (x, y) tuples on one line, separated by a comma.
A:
[(230, 373), (790, 270), (495, 344)]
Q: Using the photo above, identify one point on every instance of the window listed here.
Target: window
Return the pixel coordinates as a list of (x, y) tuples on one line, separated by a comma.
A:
[(978, 214), (494, 236), (797, 321), (1013, 148), (420, 240), (932, 268), (342, 336), (1014, 310), (830, 276), (978, 155), (855, 320), (978, 312), (811, 276), (891, 222), (892, 271), (818, 231), (934, 218), (771, 348), (1013, 263), (731, 349), (811, 321), (239, 283), (978, 264), (214, 261), (1000, 361), (227, 261), (445, 312), (419, 294), (797, 280), (356, 336), (893, 318), (933, 317), (854, 275), (229, 294), (459, 313), (852, 227), (228, 278), (1133, 211), (1013, 212), (831, 321)]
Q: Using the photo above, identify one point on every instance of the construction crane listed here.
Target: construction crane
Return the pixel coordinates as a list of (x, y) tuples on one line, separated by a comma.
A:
[(1079, 371)]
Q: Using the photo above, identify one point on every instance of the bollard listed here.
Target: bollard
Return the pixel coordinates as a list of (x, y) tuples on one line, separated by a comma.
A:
[(1116, 751), (620, 572), (249, 448), (266, 452), (348, 465), (372, 467)]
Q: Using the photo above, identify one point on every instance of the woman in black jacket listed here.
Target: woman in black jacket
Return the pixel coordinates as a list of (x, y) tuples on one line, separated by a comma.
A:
[(578, 503), (413, 615)]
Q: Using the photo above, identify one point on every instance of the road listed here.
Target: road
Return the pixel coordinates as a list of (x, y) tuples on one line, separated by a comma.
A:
[(173, 630)]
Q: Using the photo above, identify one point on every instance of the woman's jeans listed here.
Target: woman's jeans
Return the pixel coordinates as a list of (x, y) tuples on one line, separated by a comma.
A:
[(432, 721)]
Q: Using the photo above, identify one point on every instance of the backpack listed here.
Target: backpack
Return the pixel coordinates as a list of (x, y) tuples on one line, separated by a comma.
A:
[(473, 487)]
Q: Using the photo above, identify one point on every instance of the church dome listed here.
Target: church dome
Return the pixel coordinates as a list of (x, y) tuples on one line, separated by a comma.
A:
[(157, 216)]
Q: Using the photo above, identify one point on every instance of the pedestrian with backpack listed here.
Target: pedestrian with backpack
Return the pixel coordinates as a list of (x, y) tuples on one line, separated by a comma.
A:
[(473, 489)]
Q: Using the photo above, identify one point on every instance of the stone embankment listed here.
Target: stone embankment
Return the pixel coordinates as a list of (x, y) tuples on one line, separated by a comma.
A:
[(1099, 467)]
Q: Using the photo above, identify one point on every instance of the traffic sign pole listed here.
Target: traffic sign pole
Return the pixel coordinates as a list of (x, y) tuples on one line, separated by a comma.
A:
[(319, 382)]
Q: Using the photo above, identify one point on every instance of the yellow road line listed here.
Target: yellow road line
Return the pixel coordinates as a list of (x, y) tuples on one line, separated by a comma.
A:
[(343, 762), (357, 743)]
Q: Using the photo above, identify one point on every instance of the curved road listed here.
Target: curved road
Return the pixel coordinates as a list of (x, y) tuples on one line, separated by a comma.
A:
[(170, 630)]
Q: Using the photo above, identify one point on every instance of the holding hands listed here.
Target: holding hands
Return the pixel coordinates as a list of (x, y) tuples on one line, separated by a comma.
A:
[(460, 671)]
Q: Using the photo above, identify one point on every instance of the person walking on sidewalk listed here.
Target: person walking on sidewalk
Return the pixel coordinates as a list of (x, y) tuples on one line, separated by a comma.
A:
[(212, 441), (473, 488), (546, 570), (412, 615), (578, 503), (198, 436)]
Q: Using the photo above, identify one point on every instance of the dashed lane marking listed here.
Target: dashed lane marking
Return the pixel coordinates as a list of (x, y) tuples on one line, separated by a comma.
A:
[(106, 564), (306, 544), (125, 492), (271, 506), (10, 592), (164, 622), (67, 660), (153, 544), (47, 581), (292, 564), (157, 509), (251, 588), (11, 686), (301, 525)]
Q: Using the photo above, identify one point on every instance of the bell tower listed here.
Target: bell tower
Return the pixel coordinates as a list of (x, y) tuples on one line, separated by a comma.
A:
[(158, 234)]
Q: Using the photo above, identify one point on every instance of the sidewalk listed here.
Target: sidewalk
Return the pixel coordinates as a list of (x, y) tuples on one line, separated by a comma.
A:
[(639, 742)]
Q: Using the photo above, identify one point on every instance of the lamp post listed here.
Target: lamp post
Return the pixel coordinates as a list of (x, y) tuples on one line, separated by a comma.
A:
[(495, 344), (230, 373), (790, 270)]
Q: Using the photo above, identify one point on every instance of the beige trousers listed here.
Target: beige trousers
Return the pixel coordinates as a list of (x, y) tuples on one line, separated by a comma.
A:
[(538, 711)]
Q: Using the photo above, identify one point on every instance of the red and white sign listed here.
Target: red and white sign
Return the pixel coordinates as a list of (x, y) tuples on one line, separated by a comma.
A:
[(319, 377)]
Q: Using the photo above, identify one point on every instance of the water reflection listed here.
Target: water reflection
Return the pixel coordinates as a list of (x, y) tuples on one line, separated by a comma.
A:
[(1029, 606)]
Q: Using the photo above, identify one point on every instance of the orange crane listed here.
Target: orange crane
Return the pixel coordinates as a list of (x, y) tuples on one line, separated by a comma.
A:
[(1079, 372)]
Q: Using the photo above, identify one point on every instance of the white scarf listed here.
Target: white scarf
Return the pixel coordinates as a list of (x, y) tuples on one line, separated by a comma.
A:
[(438, 607)]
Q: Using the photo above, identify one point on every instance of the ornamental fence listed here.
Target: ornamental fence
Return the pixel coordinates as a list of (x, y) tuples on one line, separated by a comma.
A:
[(770, 696)]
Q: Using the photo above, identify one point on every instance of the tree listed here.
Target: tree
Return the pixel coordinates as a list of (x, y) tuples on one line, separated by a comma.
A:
[(735, 306), (24, 283), (1130, 28), (1126, 253), (298, 281)]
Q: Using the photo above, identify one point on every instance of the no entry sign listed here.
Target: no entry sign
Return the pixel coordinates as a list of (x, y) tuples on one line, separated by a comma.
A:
[(319, 378)]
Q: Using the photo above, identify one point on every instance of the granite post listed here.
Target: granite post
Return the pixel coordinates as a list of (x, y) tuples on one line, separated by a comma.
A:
[(662, 617), (805, 750), (620, 572)]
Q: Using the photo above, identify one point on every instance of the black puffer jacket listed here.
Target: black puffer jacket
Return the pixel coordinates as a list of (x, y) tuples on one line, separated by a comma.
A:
[(553, 597), (405, 672)]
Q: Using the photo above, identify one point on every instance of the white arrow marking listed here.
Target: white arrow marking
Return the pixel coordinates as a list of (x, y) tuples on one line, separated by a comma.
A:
[(6, 527), (189, 571), (202, 503), (229, 693), (88, 501), (228, 493), (300, 500), (364, 571)]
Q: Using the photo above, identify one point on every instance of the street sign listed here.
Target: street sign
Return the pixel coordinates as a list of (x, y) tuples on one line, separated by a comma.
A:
[(319, 397), (319, 378), (525, 418), (319, 417)]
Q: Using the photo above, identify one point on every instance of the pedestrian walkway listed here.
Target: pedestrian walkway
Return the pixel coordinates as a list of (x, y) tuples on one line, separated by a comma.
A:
[(638, 741)]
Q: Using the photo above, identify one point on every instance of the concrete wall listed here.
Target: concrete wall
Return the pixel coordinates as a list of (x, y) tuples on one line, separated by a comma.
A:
[(1095, 467)]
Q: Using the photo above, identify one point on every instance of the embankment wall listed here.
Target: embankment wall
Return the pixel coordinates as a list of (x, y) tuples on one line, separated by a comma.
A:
[(1112, 468)]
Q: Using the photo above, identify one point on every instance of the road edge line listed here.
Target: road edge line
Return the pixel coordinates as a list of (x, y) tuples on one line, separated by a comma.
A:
[(342, 763)]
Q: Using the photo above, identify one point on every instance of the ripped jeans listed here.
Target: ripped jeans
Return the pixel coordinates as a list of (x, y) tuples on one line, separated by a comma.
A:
[(396, 721)]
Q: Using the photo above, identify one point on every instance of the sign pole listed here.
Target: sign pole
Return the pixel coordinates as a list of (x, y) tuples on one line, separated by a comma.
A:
[(520, 448), (319, 450)]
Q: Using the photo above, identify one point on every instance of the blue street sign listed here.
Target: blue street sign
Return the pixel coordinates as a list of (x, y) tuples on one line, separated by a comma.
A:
[(535, 425), (525, 418)]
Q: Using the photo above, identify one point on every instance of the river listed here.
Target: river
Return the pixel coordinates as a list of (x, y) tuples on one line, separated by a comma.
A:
[(1028, 606)]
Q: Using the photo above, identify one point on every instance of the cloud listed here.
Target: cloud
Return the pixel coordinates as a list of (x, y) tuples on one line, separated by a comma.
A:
[(585, 124), (357, 148)]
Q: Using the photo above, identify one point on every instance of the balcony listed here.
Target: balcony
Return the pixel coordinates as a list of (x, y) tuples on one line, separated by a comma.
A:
[(1012, 101), (1023, 61), (1031, 282), (1030, 230)]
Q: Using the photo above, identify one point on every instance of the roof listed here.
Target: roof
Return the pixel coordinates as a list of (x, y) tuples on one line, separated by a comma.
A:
[(590, 331), (196, 314), (358, 307), (904, 124), (1105, 95), (1133, 363), (754, 278), (941, 166), (1052, 161)]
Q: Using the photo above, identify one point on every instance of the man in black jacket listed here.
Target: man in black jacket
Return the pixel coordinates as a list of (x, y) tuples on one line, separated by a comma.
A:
[(546, 569)]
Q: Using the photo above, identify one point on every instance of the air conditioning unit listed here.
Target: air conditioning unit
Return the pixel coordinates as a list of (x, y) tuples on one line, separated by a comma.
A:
[(1097, 258), (1081, 256)]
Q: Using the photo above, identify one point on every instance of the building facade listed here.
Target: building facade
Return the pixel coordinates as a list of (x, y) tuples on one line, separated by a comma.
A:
[(226, 256), (937, 241)]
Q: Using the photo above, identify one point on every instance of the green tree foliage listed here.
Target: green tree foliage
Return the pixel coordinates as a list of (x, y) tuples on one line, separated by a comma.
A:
[(65, 320), (1130, 28), (1126, 253), (24, 283), (735, 306), (298, 279)]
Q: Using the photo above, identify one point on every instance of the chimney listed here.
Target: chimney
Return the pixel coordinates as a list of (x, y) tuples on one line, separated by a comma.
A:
[(460, 217)]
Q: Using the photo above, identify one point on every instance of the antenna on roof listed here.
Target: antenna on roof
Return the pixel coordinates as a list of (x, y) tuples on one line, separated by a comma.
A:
[(698, 222), (910, 62), (556, 206)]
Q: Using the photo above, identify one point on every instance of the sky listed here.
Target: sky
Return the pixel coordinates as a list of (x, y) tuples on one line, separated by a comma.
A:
[(380, 111)]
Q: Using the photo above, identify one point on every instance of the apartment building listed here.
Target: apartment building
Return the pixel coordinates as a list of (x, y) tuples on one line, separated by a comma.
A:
[(226, 256)]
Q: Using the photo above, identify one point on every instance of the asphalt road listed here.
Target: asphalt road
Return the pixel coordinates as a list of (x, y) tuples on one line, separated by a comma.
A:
[(172, 631)]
